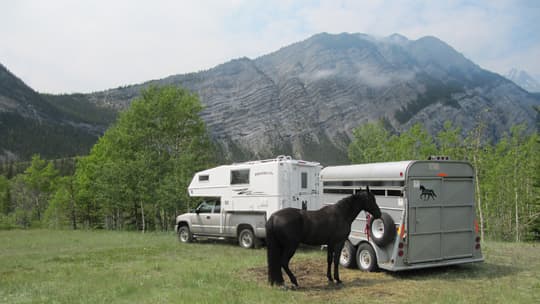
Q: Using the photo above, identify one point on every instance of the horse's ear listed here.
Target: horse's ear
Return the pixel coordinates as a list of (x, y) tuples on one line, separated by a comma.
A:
[(367, 188)]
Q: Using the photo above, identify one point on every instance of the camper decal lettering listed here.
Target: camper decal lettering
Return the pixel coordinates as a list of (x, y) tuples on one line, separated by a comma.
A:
[(427, 193), (264, 173), (246, 191)]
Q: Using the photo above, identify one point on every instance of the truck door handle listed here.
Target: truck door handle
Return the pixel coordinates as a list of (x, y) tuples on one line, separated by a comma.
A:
[(208, 217)]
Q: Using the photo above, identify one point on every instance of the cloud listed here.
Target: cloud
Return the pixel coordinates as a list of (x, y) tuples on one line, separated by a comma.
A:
[(65, 46), (377, 79)]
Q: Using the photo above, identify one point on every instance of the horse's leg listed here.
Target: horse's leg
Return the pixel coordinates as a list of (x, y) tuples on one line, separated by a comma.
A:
[(288, 253), (337, 254), (329, 258)]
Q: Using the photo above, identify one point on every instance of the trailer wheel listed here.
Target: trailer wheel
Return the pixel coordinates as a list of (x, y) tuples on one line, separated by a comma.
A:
[(348, 255), (184, 234), (366, 258), (246, 238), (383, 230)]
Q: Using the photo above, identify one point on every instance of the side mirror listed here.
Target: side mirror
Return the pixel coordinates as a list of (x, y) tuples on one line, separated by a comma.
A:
[(198, 210)]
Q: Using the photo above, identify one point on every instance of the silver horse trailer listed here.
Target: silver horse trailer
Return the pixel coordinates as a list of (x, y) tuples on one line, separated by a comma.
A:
[(428, 214)]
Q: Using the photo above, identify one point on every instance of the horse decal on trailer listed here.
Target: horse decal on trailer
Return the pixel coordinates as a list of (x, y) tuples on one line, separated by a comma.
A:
[(427, 193)]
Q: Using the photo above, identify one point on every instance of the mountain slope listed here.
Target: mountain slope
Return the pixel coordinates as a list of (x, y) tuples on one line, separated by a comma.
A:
[(524, 80), (34, 123)]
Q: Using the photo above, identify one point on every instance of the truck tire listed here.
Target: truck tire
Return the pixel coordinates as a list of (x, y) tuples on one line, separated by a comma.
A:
[(382, 230), (184, 234), (246, 238), (348, 255), (366, 258)]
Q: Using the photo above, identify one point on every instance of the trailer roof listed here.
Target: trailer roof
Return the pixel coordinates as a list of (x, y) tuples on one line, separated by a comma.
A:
[(373, 171), (281, 158)]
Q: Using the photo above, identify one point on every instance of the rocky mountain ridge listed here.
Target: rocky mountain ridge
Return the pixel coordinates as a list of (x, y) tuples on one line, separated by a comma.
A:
[(305, 99)]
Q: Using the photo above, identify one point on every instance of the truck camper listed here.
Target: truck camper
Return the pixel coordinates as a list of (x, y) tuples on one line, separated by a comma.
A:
[(236, 200)]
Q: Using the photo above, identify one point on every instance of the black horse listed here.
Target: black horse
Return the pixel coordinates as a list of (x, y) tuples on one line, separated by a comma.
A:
[(330, 225)]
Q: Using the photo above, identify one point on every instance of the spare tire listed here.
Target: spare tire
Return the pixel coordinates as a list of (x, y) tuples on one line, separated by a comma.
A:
[(382, 230)]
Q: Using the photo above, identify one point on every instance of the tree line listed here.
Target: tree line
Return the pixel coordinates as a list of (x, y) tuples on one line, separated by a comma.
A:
[(136, 175)]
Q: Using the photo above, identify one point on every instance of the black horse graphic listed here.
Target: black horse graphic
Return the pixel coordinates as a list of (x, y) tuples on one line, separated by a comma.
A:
[(427, 193)]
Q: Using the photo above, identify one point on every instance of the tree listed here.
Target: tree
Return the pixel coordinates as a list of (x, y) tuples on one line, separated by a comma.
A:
[(62, 208), (370, 143), (40, 179), (140, 168), (450, 142), (4, 195), (415, 143)]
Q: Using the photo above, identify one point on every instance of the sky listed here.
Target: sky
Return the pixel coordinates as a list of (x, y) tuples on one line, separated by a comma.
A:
[(67, 46)]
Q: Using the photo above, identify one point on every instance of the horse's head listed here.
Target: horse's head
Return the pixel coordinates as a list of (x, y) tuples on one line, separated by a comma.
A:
[(370, 204)]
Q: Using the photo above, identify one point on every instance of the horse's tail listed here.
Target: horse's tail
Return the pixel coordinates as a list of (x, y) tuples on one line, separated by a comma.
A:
[(273, 254)]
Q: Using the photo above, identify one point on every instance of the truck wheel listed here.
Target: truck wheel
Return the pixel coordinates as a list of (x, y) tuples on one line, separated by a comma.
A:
[(383, 230), (246, 239), (184, 234), (348, 255), (366, 258)]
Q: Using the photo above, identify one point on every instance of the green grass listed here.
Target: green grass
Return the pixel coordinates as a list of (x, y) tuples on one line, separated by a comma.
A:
[(42, 266)]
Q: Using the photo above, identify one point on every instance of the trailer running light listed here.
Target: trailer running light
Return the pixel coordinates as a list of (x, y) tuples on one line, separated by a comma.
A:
[(400, 245), (442, 174), (478, 239), (476, 226), (400, 253), (401, 231), (477, 246), (438, 157)]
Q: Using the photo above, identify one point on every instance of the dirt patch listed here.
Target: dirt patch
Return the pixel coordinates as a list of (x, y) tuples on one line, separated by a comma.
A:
[(311, 276)]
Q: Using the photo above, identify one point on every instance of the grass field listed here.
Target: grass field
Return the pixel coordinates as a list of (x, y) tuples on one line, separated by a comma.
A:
[(42, 266)]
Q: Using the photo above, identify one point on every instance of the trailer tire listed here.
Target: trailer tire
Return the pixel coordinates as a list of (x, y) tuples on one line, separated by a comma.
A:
[(184, 234), (347, 258), (366, 258), (246, 238), (382, 230)]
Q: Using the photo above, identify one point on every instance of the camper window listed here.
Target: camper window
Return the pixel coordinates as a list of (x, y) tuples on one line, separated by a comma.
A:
[(204, 178), (240, 176), (304, 180)]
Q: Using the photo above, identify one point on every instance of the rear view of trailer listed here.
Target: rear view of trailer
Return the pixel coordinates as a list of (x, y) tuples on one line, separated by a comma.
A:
[(429, 216)]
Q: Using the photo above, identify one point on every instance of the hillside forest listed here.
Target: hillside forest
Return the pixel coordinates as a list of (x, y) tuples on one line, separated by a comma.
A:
[(136, 175)]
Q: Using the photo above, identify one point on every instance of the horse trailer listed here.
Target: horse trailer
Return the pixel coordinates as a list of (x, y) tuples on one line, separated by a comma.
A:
[(236, 200), (428, 214)]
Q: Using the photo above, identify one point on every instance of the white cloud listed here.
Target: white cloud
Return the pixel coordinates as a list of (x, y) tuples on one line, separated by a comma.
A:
[(66, 46)]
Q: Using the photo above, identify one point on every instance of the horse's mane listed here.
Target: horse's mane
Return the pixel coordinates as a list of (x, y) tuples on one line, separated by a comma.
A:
[(351, 203)]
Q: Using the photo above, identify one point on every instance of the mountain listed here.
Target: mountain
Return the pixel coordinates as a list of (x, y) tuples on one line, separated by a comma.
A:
[(524, 80), (305, 99), (37, 123)]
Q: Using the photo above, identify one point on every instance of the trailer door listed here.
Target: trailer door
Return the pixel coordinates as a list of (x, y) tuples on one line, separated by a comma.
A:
[(441, 212)]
